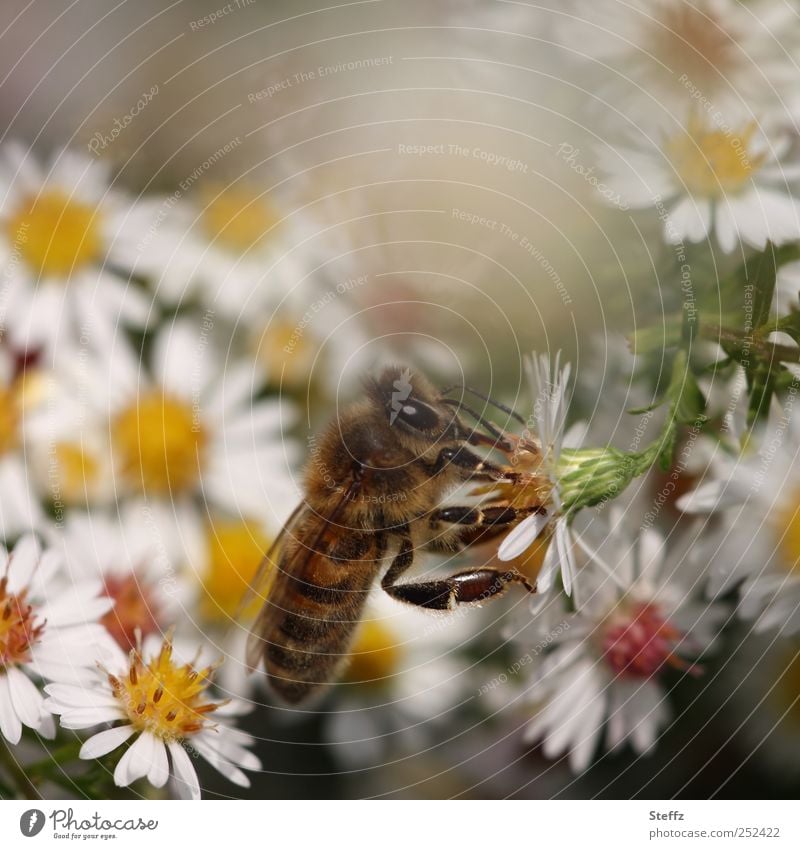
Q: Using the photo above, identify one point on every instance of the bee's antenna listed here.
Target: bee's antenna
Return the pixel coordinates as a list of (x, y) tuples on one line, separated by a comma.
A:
[(493, 429), (486, 398)]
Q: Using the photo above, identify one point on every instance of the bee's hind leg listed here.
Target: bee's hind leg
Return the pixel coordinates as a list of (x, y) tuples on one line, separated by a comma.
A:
[(471, 586)]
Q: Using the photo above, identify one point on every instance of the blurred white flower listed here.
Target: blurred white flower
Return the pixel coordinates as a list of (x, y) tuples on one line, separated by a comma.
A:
[(730, 180), (63, 227), (187, 429), (602, 671), (48, 629), (162, 700), (232, 247), (647, 55), (757, 498), (122, 553)]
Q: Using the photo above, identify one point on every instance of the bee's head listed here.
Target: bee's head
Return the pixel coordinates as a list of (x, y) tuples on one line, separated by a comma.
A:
[(411, 404)]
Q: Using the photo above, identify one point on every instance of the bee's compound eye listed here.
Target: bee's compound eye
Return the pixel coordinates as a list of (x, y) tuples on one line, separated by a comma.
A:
[(415, 414)]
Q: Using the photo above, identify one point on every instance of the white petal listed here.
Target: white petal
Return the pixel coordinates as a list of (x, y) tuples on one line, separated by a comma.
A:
[(25, 698), (524, 535), (10, 726), (137, 760), (105, 742), (185, 776), (158, 773)]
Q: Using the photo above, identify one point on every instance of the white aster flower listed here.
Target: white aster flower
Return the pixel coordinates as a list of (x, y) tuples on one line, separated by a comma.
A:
[(234, 248), (183, 431), (549, 387), (63, 227), (726, 179), (757, 498), (646, 55), (48, 629), (123, 554), (162, 701), (602, 671)]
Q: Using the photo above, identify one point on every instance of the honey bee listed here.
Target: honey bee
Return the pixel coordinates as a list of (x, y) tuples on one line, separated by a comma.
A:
[(374, 487)]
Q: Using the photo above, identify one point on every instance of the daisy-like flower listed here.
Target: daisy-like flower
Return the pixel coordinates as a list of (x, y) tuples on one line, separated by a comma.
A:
[(233, 247), (48, 629), (709, 177), (63, 228), (538, 457), (647, 54), (19, 508), (123, 554), (162, 701), (602, 671), (403, 679), (186, 429), (757, 543)]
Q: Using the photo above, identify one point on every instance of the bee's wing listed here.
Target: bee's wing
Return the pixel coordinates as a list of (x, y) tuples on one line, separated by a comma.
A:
[(266, 579)]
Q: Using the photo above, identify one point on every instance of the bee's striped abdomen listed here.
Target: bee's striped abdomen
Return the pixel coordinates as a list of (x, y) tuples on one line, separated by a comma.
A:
[(313, 614)]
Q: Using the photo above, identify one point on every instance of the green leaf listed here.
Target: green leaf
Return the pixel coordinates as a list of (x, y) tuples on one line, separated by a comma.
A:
[(763, 283)]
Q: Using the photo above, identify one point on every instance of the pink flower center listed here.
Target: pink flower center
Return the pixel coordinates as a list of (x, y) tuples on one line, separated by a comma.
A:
[(135, 609), (641, 642), (19, 627)]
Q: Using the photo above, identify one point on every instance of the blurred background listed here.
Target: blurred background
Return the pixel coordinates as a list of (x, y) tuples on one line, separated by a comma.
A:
[(417, 158)]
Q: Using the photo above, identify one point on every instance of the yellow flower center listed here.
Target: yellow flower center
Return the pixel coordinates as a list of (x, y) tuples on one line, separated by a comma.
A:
[(787, 526), (19, 627), (55, 234), (9, 418), (374, 656), (285, 352), (236, 217), (162, 697), (161, 446), (712, 162), (236, 549), (73, 471)]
